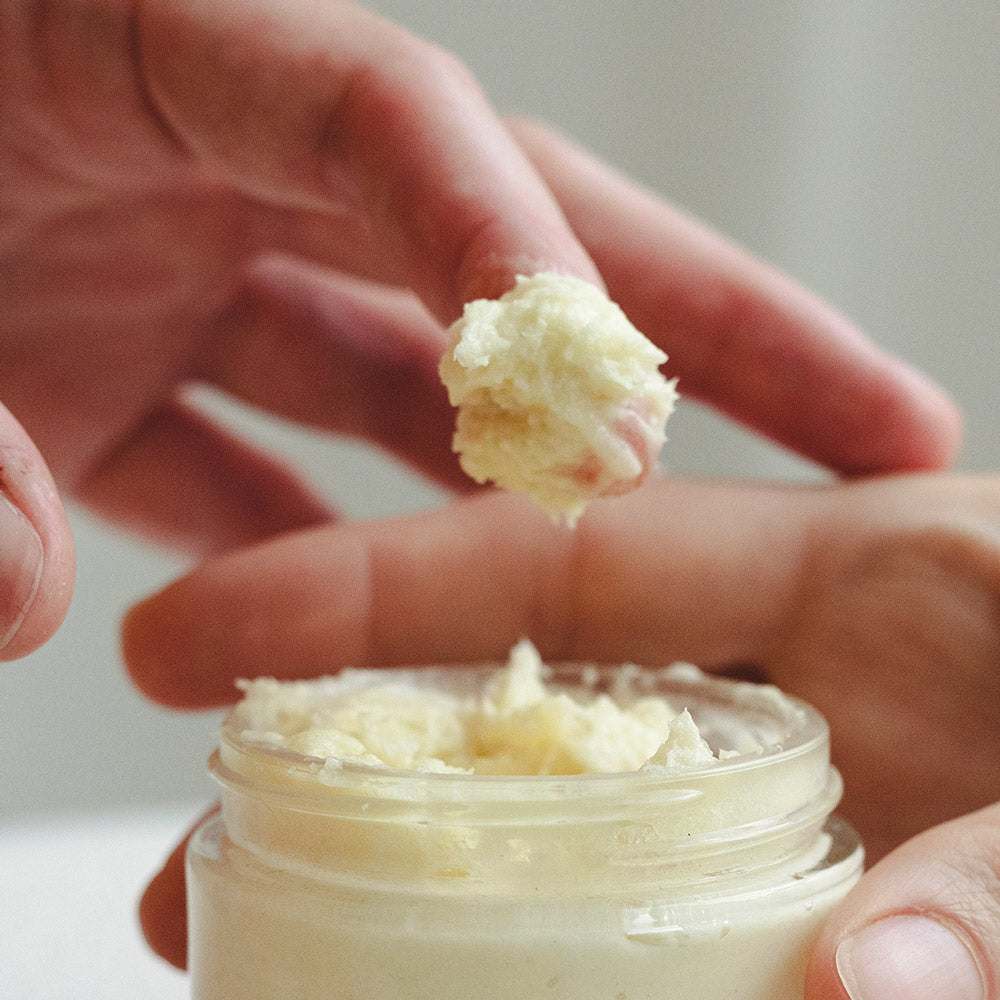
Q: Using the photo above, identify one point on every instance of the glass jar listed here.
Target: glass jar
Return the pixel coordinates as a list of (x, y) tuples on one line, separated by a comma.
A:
[(322, 879)]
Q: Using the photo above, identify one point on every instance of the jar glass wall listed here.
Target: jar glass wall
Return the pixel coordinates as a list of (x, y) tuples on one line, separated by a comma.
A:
[(327, 879)]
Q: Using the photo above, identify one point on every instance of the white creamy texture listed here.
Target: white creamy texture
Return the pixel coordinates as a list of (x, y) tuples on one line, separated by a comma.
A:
[(516, 726), (559, 396), (264, 941)]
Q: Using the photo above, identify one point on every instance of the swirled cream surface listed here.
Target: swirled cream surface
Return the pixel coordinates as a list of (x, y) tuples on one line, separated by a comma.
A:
[(516, 725), (559, 396)]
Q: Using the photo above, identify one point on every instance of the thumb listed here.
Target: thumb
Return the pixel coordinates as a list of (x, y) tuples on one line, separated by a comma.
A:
[(36, 548), (923, 924)]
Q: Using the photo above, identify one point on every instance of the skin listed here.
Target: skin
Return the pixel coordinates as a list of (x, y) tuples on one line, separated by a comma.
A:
[(191, 245), (286, 202)]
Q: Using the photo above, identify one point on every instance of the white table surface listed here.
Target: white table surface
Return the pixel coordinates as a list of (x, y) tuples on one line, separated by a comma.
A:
[(68, 893)]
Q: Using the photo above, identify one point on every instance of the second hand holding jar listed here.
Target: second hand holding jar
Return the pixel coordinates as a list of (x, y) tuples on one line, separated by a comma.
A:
[(337, 870)]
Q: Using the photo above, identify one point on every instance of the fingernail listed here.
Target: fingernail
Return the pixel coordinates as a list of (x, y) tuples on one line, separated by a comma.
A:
[(20, 568), (908, 958)]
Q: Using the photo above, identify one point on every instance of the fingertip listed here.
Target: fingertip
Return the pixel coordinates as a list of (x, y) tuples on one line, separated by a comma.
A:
[(272, 608), (163, 905), (153, 646), (133, 641), (162, 912), (21, 560), (37, 558), (894, 420), (938, 425), (920, 924), (907, 955)]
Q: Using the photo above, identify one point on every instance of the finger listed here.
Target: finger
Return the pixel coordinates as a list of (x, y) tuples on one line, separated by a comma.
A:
[(182, 481), (339, 355), (328, 105), (37, 561), (163, 907), (743, 337), (465, 583), (895, 639), (924, 923)]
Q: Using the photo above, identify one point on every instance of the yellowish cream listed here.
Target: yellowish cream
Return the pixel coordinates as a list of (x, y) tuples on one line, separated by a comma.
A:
[(514, 725), (559, 396)]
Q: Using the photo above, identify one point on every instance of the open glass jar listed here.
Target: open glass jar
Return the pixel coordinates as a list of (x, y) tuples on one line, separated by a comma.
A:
[(327, 880)]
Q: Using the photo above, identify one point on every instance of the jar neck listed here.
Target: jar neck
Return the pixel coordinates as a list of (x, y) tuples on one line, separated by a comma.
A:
[(604, 833)]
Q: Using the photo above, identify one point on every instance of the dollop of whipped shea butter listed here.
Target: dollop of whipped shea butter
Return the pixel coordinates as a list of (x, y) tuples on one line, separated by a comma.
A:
[(515, 725), (559, 396)]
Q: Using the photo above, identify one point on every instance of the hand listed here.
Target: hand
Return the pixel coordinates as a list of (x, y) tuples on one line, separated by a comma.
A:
[(876, 601), (204, 192), (187, 187)]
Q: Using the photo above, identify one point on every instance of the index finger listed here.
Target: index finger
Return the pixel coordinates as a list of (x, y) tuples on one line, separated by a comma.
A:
[(327, 105), (656, 576)]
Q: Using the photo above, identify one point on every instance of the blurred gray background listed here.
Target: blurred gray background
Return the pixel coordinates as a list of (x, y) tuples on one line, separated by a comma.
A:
[(856, 145)]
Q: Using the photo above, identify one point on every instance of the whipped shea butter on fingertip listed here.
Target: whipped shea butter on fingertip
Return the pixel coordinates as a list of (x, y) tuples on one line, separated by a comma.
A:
[(521, 832), (559, 396)]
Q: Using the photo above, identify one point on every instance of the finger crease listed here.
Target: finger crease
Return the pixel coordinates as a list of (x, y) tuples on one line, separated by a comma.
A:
[(144, 85)]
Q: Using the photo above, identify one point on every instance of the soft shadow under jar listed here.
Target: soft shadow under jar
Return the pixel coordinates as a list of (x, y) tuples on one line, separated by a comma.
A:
[(327, 879)]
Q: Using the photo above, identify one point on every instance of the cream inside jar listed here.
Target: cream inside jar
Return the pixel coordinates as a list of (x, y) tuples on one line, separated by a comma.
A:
[(707, 864)]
